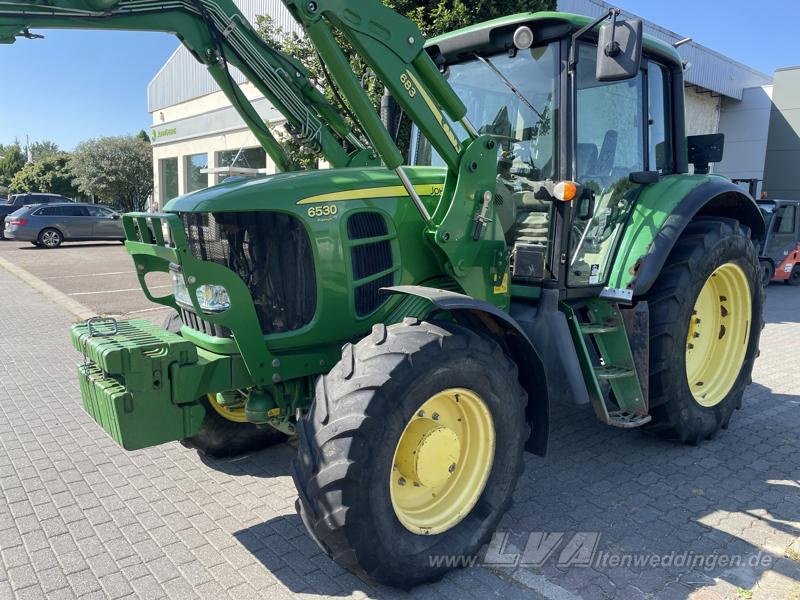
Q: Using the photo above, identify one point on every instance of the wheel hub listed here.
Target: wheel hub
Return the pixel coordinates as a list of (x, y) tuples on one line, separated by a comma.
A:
[(442, 461), (428, 453)]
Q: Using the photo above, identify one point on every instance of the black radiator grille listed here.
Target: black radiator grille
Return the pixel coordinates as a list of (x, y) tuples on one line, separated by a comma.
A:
[(191, 320), (272, 254), (368, 258), (366, 225)]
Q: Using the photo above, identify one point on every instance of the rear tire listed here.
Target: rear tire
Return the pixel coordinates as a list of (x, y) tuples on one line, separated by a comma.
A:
[(347, 472), (220, 437), (705, 247), (50, 238)]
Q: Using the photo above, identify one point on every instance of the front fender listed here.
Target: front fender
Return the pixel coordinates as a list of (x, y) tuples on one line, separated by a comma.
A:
[(487, 318), (662, 212)]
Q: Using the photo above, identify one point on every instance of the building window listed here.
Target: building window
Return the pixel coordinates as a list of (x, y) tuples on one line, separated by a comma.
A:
[(168, 169), (195, 180), (246, 158)]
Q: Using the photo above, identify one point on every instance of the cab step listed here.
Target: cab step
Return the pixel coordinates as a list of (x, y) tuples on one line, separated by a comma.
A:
[(626, 420), (598, 328), (608, 372), (609, 368)]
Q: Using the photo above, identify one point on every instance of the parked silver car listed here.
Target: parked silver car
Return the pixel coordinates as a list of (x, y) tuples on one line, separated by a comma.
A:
[(51, 224)]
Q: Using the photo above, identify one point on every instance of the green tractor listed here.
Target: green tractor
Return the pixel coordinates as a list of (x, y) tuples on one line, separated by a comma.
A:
[(413, 323)]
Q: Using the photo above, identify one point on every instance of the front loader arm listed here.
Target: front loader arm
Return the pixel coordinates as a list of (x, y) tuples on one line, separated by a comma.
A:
[(217, 34), (470, 243)]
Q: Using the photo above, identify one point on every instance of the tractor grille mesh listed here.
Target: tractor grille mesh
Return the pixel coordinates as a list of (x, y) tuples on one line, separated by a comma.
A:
[(369, 258), (366, 225), (272, 254)]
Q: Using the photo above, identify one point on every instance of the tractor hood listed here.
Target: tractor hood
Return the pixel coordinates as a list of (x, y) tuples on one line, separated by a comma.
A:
[(286, 190)]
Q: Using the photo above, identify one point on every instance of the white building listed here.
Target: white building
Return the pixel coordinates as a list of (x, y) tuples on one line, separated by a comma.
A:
[(195, 127)]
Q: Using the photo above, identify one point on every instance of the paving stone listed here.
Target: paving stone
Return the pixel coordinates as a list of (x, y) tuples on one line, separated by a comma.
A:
[(80, 517)]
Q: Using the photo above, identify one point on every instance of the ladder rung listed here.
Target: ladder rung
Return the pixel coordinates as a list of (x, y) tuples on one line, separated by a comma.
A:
[(596, 328), (627, 420), (611, 372)]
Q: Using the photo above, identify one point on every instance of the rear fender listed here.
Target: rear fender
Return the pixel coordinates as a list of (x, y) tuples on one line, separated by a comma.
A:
[(663, 211), (486, 318)]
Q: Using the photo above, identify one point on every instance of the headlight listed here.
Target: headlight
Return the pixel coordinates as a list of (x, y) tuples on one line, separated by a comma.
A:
[(211, 298)]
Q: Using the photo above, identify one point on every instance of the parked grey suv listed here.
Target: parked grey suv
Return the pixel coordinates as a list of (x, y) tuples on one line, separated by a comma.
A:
[(51, 224), (16, 201)]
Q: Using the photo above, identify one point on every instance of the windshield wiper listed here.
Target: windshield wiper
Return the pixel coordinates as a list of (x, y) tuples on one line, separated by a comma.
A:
[(508, 83)]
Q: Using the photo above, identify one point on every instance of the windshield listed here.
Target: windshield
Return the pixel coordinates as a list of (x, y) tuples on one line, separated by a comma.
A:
[(513, 99)]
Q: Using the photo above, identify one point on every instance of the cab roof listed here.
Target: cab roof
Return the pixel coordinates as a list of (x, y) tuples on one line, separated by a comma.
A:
[(495, 35)]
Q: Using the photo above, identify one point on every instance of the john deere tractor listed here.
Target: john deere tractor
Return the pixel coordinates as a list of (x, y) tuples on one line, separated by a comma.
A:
[(412, 320)]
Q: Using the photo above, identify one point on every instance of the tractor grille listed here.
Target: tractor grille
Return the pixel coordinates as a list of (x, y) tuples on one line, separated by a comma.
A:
[(272, 254), (369, 257)]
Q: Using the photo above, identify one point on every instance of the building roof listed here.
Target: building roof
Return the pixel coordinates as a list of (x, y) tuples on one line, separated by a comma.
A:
[(182, 78)]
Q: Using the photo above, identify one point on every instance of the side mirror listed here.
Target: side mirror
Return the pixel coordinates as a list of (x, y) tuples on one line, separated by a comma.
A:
[(619, 50), (705, 149), (116, 216)]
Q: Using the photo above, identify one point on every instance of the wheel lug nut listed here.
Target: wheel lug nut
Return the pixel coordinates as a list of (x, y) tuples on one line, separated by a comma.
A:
[(435, 416), (452, 467), (401, 481), (421, 413)]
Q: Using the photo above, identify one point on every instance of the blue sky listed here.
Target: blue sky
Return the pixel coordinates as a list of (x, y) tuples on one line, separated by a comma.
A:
[(75, 85)]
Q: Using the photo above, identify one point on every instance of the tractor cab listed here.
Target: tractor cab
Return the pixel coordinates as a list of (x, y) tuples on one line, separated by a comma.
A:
[(577, 141)]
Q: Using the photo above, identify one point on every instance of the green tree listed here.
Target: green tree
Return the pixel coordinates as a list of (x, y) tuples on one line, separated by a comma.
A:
[(11, 161), (115, 170), (49, 174), (433, 17), (43, 149)]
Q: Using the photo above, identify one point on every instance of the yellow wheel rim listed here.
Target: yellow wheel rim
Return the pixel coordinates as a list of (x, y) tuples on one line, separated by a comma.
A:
[(719, 330), (442, 461), (235, 414)]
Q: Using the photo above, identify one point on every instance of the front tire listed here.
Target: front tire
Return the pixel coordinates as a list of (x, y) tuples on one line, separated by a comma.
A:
[(225, 433), (705, 323), (794, 278), (411, 411), (767, 272)]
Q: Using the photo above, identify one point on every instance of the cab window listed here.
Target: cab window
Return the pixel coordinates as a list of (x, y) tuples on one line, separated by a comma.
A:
[(659, 155), (609, 146), (785, 219)]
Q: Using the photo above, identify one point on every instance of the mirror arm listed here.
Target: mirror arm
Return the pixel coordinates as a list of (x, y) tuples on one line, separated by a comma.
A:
[(612, 48), (573, 57)]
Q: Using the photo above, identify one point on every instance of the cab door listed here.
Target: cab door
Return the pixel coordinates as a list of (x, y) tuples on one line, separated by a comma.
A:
[(782, 238), (620, 128)]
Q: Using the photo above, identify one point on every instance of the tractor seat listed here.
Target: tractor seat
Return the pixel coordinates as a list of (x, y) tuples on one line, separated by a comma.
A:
[(533, 219)]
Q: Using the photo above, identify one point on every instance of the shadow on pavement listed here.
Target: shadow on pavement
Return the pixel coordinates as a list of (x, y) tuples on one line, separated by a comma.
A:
[(730, 506)]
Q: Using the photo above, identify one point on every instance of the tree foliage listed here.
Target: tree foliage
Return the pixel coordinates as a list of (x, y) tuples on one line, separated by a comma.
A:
[(11, 162), (115, 170), (43, 149), (433, 17), (49, 174)]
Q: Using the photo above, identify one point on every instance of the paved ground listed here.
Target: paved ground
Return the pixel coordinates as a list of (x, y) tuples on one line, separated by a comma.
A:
[(99, 275), (81, 518)]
